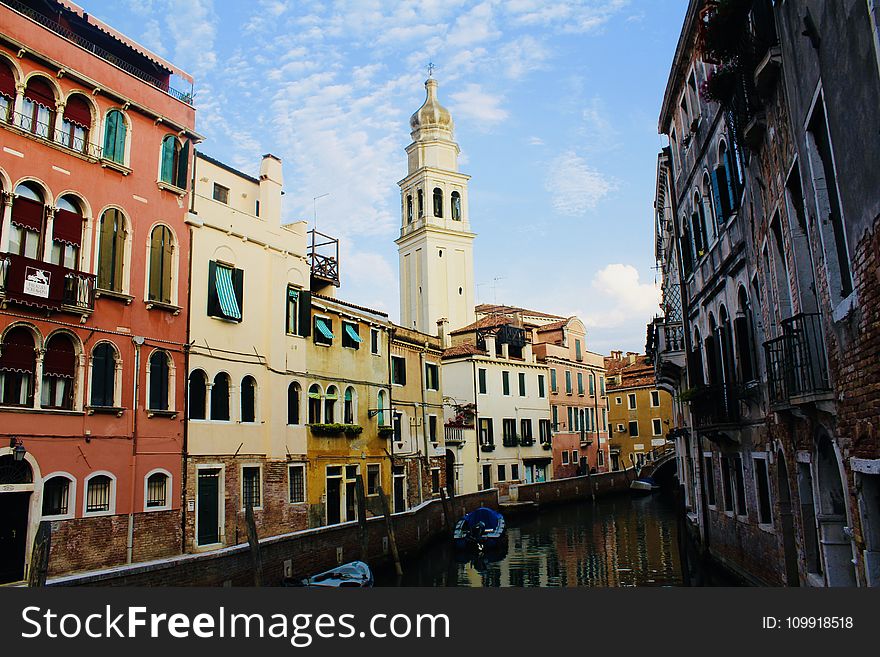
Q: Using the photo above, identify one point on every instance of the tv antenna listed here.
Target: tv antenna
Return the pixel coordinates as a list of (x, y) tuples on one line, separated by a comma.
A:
[(315, 208)]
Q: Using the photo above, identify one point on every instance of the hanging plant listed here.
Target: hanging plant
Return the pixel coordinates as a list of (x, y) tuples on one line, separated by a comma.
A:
[(723, 26), (720, 86)]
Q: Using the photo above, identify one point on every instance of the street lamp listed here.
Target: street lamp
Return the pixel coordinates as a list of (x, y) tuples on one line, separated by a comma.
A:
[(17, 447)]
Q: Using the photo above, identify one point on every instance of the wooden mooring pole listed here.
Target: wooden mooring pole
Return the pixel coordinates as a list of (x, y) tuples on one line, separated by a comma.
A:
[(386, 510), (40, 555), (254, 542), (445, 502), (362, 517)]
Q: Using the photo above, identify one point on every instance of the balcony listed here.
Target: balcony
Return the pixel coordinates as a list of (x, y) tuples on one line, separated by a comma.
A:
[(43, 285), (796, 369), (323, 259), (715, 406), (454, 435)]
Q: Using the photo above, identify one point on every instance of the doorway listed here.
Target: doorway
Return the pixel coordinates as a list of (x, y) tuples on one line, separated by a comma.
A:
[(831, 515), (399, 483), (334, 494), (351, 475), (789, 549), (17, 481), (487, 477), (450, 473), (208, 506)]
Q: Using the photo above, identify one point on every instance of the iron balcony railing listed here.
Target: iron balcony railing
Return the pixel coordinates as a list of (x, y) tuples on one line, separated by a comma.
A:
[(715, 405), (796, 360), (96, 50), (453, 435), (44, 285), (672, 335), (48, 133)]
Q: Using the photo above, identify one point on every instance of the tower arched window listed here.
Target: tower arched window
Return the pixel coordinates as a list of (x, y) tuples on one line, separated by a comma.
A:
[(456, 206), (438, 202), (111, 250), (409, 208), (330, 398), (161, 254), (175, 161), (160, 381), (38, 108), (76, 123), (18, 364), (421, 202), (59, 373), (220, 397), (115, 130), (248, 399), (198, 395), (103, 384), (293, 401), (28, 221), (314, 403)]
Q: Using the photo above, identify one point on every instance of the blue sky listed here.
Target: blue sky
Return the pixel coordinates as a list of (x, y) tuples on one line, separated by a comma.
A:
[(555, 107)]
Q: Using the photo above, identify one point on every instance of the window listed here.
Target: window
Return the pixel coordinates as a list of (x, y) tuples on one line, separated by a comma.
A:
[(567, 382), (553, 386), (655, 398), (103, 381), (56, 496), (373, 478), (67, 232), (160, 374), (220, 398), (99, 490), (292, 314), (657, 426), (225, 292), (7, 92), (592, 384), (296, 483), (508, 426), (555, 413), (323, 333), (522, 384), (314, 404), (351, 337), (248, 399), (572, 419), (59, 372), (631, 401), (580, 380), (398, 370), (544, 431), (514, 471), (175, 161), (739, 485), (374, 341), (621, 428), (505, 383), (726, 483), (157, 491), (432, 376), (27, 221), (220, 193), (633, 428), (762, 486), (541, 385), (198, 395), (709, 475), (293, 400), (565, 457), (115, 130), (380, 405), (618, 400), (330, 398), (432, 428), (526, 437), (502, 472), (111, 250), (161, 263), (486, 433), (604, 419), (602, 385), (574, 457), (348, 406), (250, 486), (456, 206), (438, 202), (481, 377), (600, 458), (409, 208), (435, 481), (578, 354), (18, 363), (421, 202)]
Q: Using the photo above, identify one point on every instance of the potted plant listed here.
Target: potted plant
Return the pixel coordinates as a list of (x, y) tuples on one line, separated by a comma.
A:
[(720, 86), (386, 432)]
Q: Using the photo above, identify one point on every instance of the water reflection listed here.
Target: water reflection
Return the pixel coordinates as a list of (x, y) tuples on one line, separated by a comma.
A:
[(618, 541)]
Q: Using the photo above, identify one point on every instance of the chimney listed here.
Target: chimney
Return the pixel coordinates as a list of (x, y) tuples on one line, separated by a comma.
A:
[(616, 355), (443, 332), (631, 357), (271, 181)]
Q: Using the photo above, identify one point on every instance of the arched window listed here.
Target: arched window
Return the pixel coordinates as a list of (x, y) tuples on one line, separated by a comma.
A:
[(100, 497), (111, 250), (76, 123), (115, 131), (220, 397), (38, 108), (56, 495), (687, 249), (726, 181), (161, 254), (744, 335), (695, 361), (103, 384), (59, 372), (698, 219), (438, 202), (198, 395), (248, 399), (421, 203), (160, 375), (174, 162), (349, 411), (18, 363), (157, 491), (409, 208), (456, 206), (67, 231), (710, 200), (712, 353), (28, 221), (314, 404), (380, 404), (725, 346), (293, 400), (7, 91), (330, 398)]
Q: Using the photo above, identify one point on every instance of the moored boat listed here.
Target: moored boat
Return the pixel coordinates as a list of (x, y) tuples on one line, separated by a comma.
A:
[(355, 574), (643, 485), (483, 528)]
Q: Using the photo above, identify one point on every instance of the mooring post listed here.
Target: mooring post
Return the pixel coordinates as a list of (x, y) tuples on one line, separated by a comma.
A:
[(40, 555), (254, 543), (386, 510), (445, 502), (362, 516)]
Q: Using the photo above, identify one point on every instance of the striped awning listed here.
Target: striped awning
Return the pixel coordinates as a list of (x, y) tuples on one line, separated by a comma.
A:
[(323, 328), (226, 293), (352, 333)]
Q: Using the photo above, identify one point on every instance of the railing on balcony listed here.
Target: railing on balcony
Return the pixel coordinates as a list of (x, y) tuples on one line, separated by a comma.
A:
[(60, 137), (96, 50), (324, 257), (44, 285), (454, 435), (796, 359), (715, 406), (672, 336)]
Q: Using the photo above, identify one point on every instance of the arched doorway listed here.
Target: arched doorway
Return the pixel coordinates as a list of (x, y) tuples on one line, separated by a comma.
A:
[(450, 473), (832, 518), (786, 519), (16, 490)]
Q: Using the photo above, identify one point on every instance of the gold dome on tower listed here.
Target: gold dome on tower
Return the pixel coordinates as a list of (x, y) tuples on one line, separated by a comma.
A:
[(431, 115)]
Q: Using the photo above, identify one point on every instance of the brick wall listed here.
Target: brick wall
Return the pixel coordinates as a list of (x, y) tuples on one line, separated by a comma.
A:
[(566, 490), (309, 551)]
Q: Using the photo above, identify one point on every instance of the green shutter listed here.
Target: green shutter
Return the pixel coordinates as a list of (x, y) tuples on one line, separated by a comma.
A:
[(183, 166), (305, 313), (110, 134), (167, 170)]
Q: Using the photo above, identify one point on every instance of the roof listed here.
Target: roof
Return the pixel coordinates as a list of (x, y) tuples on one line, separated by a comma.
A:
[(553, 326), (493, 321), (315, 295), (633, 375), (495, 309), (465, 349), (223, 165)]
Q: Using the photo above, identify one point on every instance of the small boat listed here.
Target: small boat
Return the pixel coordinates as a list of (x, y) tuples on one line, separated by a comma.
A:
[(355, 574), (483, 529), (643, 485)]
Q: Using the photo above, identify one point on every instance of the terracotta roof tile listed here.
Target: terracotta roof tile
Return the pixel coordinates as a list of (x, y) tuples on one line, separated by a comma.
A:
[(492, 321), (465, 349), (637, 374)]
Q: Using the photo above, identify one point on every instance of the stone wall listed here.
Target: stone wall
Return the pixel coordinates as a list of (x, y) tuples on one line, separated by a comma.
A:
[(573, 488)]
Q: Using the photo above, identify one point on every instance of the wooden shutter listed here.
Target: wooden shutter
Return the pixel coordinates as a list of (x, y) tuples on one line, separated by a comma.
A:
[(183, 166), (213, 309), (169, 145), (305, 313), (238, 287), (721, 187), (110, 128), (119, 146), (155, 287), (731, 178), (167, 265)]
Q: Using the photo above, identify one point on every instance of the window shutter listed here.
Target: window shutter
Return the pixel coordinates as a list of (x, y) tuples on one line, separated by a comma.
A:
[(117, 231), (110, 134), (167, 260), (167, 173), (119, 147), (717, 195), (731, 178), (213, 301), (155, 290), (305, 313), (183, 167), (238, 287), (722, 191)]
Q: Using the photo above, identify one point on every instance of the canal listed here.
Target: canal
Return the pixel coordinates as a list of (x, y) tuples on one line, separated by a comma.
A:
[(616, 541)]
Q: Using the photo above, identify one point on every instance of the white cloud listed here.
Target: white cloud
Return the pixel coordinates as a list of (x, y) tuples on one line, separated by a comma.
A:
[(535, 141), (576, 187), (567, 16), (472, 103), (599, 135), (521, 56), (621, 298)]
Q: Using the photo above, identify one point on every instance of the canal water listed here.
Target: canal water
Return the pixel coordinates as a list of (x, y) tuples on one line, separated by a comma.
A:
[(616, 541)]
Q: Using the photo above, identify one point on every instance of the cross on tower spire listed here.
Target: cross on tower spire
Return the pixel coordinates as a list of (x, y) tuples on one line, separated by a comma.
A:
[(431, 68)]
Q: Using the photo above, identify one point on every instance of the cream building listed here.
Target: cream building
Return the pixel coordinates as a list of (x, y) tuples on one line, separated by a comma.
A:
[(436, 242), (249, 329)]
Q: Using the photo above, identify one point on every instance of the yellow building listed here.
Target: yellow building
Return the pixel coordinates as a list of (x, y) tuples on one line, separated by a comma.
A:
[(246, 440), (639, 413)]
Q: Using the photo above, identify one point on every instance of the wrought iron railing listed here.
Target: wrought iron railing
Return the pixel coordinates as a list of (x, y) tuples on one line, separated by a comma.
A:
[(46, 132), (796, 360), (715, 405), (96, 50)]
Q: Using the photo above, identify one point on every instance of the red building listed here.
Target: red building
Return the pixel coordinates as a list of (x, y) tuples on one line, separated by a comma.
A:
[(95, 155)]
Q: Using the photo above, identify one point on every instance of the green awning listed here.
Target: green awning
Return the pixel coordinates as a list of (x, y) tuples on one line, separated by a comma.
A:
[(226, 293), (352, 333), (323, 328)]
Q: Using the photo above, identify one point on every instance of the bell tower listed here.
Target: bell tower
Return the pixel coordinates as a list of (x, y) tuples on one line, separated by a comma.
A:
[(435, 244)]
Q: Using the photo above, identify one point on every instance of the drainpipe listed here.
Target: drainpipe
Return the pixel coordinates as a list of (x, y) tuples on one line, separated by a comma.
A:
[(476, 420), (424, 419), (129, 547)]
